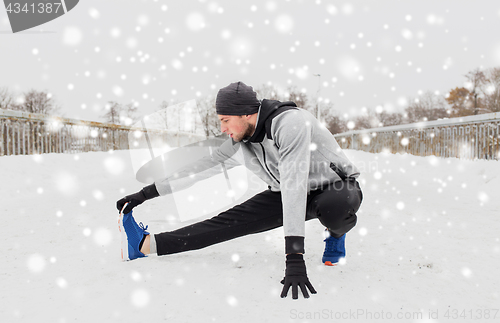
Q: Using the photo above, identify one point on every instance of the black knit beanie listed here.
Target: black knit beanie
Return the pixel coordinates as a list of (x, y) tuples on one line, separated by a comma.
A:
[(237, 99)]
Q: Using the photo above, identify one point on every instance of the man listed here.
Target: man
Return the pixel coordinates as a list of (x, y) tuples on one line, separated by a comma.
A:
[(308, 176)]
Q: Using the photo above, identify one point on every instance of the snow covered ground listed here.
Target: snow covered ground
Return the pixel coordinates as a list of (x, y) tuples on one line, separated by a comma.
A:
[(426, 249)]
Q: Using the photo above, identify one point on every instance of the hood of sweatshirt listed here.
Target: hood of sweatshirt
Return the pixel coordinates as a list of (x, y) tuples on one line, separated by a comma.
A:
[(267, 109)]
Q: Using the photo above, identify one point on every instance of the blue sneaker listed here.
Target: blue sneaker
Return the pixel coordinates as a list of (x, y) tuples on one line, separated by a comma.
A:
[(334, 250), (131, 234)]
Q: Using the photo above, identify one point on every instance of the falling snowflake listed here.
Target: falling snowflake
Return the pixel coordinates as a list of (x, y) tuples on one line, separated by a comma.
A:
[(94, 13), (61, 282), (195, 21), (231, 300), (72, 36), (466, 272), (114, 165), (284, 23), (36, 263), (140, 298)]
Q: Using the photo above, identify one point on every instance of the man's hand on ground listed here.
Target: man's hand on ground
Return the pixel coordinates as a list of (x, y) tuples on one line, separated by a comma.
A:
[(296, 276)]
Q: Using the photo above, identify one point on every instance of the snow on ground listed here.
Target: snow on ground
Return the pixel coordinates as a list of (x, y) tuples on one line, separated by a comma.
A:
[(426, 249)]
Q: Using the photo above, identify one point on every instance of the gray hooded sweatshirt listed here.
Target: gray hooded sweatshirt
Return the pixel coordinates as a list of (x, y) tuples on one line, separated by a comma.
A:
[(290, 151)]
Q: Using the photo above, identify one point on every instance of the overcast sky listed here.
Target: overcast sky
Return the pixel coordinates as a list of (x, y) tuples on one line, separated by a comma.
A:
[(368, 53)]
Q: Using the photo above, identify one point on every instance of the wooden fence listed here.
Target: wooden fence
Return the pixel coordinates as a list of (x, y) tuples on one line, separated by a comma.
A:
[(24, 133), (473, 137)]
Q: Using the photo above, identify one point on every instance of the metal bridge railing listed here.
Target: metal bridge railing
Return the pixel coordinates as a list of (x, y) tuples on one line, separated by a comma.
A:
[(472, 137), (24, 133)]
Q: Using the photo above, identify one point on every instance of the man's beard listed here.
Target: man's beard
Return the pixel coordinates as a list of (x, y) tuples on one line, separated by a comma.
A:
[(249, 132)]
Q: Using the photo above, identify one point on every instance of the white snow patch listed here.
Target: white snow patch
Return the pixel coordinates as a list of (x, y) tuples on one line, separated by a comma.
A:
[(382, 265)]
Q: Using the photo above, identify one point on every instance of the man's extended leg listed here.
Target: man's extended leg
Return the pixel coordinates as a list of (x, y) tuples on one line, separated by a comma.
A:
[(260, 213)]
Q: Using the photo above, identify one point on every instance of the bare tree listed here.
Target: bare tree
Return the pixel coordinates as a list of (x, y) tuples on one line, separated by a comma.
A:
[(367, 121), (6, 98), (373, 119), (208, 115), (268, 92), (162, 111), (117, 113), (300, 98), (461, 102), (476, 80), (327, 113), (491, 100), (335, 124), (35, 101), (112, 114), (390, 119), (427, 107)]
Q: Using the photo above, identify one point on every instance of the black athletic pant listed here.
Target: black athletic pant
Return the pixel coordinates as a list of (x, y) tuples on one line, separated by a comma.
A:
[(335, 206)]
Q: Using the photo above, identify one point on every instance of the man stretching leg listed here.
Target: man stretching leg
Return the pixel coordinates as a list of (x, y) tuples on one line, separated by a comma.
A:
[(308, 175)]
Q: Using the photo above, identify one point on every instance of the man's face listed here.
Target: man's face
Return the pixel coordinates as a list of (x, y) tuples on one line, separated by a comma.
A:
[(237, 127)]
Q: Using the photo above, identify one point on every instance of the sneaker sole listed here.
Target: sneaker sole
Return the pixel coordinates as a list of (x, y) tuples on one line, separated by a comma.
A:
[(329, 263), (123, 236)]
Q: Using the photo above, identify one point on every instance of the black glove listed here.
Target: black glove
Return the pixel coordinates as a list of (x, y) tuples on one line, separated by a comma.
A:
[(135, 199), (296, 275)]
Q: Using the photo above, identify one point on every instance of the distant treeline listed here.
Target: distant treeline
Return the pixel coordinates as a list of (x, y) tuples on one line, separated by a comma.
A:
[(480, 94)]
